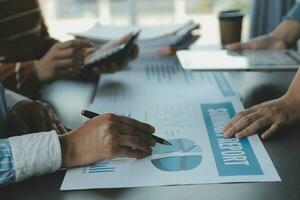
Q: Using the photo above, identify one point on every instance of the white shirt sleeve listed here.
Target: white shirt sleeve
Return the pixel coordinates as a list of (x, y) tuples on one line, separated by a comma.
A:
[(35, 154), (13, 98)]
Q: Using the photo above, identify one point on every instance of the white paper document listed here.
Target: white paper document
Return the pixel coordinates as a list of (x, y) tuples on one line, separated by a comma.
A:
[(190, 115)]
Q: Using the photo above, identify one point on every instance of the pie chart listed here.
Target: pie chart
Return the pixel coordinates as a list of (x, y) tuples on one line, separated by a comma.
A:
[(183, 154)]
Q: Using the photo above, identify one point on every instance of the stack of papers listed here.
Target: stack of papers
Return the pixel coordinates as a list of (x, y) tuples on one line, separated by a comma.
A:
[(154, 40)]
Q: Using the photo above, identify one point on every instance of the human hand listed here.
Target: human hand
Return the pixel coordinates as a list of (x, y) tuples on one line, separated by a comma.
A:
[(105, 137), (119, 63), (270, 116), (63, 60), (263, 42), (33, 116)]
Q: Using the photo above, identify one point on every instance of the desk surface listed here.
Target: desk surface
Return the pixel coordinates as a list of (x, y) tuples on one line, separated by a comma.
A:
[(254, 87)]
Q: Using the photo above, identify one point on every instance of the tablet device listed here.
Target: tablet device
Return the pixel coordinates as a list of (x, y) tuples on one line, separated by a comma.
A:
[(246, 60), (98, 57)]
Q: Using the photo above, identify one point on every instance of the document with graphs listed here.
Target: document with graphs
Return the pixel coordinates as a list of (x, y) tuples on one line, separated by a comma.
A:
[(191, 117)]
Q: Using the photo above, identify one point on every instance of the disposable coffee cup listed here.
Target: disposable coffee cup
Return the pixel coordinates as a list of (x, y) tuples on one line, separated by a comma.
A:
[(231, 22)]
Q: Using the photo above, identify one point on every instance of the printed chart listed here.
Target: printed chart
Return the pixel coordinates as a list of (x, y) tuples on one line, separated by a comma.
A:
[(182, 155)]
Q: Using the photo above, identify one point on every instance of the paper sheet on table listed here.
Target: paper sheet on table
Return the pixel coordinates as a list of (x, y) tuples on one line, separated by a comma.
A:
[(156, 80), (190, 113)]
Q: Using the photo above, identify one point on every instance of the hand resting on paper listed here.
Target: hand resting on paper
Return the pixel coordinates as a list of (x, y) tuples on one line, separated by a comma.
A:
[(270, 116)]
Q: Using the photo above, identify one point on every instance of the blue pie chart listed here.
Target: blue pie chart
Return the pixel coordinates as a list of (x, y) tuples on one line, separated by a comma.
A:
[(190, 155)]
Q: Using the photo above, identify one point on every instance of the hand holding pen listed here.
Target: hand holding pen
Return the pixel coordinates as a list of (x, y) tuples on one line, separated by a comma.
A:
[(90, 115), (106, 137)]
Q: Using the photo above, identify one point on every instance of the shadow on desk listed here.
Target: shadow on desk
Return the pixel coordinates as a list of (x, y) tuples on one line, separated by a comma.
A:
[(68, 98)]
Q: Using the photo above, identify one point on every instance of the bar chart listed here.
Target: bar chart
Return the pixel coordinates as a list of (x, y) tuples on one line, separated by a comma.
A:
[(102, 167)]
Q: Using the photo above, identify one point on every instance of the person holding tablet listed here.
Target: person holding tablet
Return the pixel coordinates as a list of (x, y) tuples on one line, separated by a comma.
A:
[(276, 114), (30, 57)]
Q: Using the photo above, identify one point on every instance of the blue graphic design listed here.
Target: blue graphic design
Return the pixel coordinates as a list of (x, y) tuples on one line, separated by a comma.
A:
[(232, 156), (101, 168), (191, 155)]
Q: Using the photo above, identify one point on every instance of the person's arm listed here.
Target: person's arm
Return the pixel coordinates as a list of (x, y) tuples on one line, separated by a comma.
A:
[(29, 155), (61, 61), (271, 115), (285, 35), (288, 31), (101, 138)]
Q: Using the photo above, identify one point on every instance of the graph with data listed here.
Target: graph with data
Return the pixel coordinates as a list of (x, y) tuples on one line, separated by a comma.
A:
[(102, 167), (182, 155)]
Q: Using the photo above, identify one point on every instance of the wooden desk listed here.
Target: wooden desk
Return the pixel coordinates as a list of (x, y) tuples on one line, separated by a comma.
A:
[(254, 87)]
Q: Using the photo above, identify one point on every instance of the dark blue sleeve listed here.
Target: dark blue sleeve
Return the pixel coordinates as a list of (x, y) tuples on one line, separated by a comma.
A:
[(294, 13)]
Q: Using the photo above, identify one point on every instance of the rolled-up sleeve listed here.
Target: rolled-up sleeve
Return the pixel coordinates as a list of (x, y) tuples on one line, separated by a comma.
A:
[(7, 171), (294, 13), (30, 155)]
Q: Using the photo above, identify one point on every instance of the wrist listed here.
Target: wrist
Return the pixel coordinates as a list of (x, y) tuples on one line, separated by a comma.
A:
[(41, 73), (67, 151), (36, 67)]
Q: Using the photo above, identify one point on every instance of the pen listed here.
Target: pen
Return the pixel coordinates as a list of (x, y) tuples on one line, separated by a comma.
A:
[(90, 115)]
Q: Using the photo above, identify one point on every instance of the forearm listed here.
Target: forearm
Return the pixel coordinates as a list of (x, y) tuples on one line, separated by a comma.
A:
[(288, 31)]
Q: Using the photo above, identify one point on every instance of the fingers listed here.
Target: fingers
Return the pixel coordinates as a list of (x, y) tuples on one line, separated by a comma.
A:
[(135, 143), (234, 47), (47, 119), (71, 53), (61, 129), (253, 127), (130, 130), (56, 124), (234, 120), (63, 63), (77, 44), (127, 126), (146, 128), (130, 153), (241, 123), (238, 46)]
